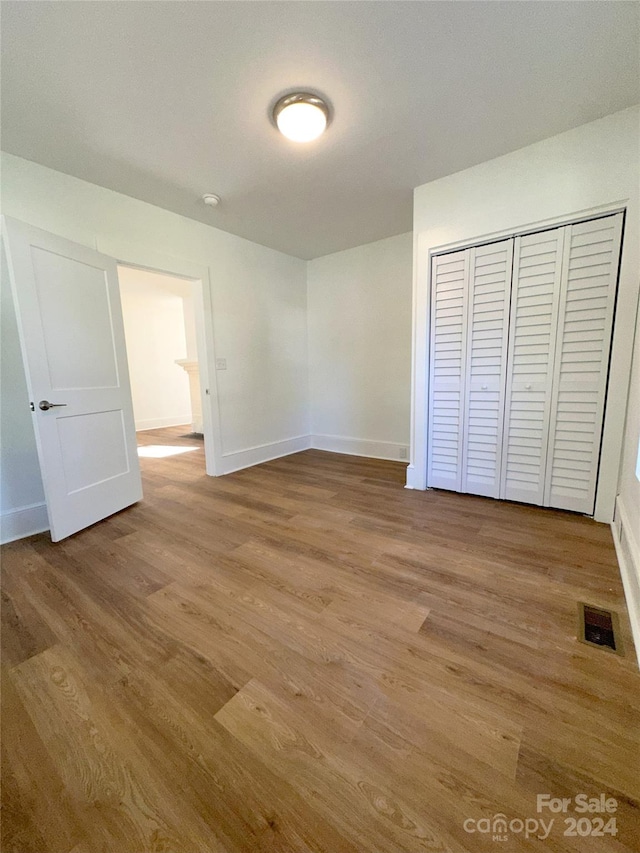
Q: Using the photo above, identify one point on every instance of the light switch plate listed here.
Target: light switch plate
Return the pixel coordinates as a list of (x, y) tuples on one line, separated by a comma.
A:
[(221, 363)]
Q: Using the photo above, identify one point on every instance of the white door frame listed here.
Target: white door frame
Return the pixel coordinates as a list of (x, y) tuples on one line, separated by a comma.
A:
[(148, 259), (619, 366)]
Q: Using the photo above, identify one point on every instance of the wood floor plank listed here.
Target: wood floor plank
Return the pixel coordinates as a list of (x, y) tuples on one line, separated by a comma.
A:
[(25, 632), (305, 656), (233, 790), (38, 811), (370, 814), (538, 771), (119, 804)]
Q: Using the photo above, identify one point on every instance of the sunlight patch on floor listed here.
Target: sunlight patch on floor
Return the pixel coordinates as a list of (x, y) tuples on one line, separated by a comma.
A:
[(159, 451)]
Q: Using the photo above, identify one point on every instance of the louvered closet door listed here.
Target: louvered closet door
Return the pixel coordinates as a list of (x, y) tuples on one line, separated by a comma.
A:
[(449, 285), (532, 334), (487, 328), (587, 299)]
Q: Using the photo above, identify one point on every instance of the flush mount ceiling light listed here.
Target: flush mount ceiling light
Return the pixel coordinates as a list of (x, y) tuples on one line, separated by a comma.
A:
[(301, 116), (211, 199)]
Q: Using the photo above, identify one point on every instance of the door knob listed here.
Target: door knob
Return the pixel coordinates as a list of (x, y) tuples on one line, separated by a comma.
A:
[(45, 405), (528, 387)]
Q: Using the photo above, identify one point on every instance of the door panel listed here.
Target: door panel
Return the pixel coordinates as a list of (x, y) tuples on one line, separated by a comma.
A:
[(487, 328), (589, 278), (534, 315), (71, 333), (450, 278), (75, 296), (84, 469)]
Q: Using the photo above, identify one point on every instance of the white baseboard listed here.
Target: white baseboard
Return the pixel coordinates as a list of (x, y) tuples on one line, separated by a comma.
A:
[(158, 423), (239, 459), (360, 447), (628, 553), (23, 521)]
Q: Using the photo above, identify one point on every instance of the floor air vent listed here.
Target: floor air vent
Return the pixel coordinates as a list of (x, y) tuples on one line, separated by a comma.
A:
[(598, 627)]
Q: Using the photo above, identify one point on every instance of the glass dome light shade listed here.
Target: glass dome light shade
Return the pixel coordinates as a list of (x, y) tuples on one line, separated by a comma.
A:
[(300, 117)]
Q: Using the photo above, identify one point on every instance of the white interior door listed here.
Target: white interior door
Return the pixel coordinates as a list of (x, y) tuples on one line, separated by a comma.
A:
[(487, 332), (587, 301), (71, 333), (449, 290)]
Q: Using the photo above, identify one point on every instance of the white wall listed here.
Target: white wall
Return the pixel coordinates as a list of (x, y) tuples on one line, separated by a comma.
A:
[(561, 178), (22, 509), (153, 308), (629, 487), (190, 325), (359, 320), (259, 313), (628, 504)]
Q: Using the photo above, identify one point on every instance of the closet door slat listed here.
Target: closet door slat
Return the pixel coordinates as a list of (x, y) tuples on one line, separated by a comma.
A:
[(447, 364), (587, 301), (485, 371), (535, 295)]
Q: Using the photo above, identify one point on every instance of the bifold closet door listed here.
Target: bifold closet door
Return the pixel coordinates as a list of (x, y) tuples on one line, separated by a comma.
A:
[(583, 343), (535, 297), (469, 325), (447, 365), (520, 343), (486, 361)]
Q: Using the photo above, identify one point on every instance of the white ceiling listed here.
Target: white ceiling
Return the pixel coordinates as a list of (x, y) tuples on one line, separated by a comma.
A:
[(164, 101)]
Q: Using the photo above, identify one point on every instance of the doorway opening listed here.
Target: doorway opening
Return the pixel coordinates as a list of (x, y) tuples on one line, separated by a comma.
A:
[(164, 362)]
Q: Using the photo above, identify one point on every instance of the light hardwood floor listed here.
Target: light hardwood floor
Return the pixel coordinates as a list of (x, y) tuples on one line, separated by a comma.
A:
[(304, 656)]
